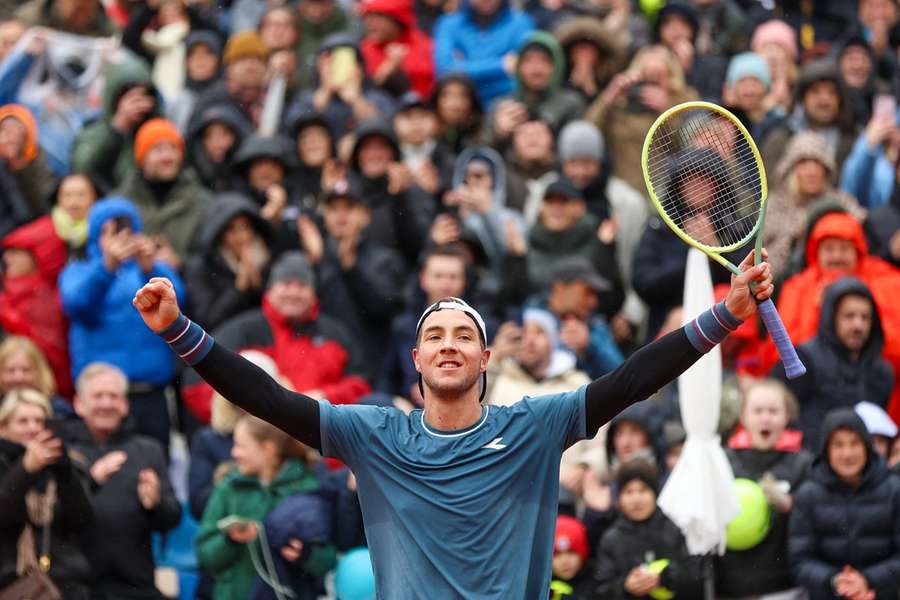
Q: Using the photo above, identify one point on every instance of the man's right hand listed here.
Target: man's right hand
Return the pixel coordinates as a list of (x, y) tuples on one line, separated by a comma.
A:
[(133, 106), (157, 303)]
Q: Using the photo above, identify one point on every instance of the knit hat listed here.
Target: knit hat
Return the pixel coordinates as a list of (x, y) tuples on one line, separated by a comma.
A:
[(581, 139), (748, 64), (152, 133), (570, 536), (545, 321), (805, 145), (775, 32), (292, 266), (244, 44), (26, 118), (637, 469)]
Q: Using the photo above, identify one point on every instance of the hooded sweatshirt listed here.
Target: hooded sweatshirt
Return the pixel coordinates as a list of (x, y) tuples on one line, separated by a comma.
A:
[(834, 524), (217, 177), (417, 65)]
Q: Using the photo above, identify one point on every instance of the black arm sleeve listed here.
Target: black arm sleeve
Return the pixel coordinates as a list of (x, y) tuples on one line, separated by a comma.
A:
[(248, 386), (636, 379)]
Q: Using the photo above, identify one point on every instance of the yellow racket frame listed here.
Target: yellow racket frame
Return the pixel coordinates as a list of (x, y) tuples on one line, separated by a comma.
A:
[(713, 252)]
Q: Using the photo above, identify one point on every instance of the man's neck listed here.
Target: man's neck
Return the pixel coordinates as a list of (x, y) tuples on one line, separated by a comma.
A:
[(452, 414)]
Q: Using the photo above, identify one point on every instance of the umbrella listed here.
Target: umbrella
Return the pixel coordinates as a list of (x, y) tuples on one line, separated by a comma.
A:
[(698, 495)]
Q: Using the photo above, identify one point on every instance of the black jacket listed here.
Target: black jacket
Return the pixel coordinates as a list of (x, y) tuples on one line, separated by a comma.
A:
[(217, 177), (118, 544), (832, 380), (833, 524), (627, 544), (768, 559), (72, 515), (881, 224)]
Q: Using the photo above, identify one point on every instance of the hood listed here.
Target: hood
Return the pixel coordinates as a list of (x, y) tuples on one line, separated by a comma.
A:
[(223, 209), (399, 10), (371, 127), (546, 41), (104, 210), (839, 225), (845, 418), (40, 239), (646, 415), (268, 146), (297, 121), (574, 30), (833, 294), (498, 168), (119, 78), (682, 9), (824, 70), (339, 40), (805, 145), (24, 116), (226, 114), (463, 79), (465, 7)]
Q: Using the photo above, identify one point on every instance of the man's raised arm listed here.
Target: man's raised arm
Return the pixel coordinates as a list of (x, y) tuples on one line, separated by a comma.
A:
[(661, 361), (233, 376)]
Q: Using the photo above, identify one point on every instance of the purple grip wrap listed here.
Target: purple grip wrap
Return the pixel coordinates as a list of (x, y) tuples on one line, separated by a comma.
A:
[(792, 365)]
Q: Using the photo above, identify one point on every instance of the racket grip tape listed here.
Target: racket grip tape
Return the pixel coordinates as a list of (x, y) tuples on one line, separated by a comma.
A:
[(793, 367)]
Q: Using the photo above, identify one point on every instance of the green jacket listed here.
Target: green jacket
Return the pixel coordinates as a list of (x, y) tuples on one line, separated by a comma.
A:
[(230, 563), (311, 37), (99, 149), (178, 216)]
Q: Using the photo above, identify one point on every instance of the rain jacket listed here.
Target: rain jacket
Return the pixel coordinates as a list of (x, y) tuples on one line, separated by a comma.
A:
[(104, 324), (216, 177), (463, 43), (417, 66), (833, 524), (868, 174)]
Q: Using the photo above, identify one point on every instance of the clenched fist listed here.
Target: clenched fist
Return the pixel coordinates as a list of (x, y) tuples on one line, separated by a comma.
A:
[(157, 303)]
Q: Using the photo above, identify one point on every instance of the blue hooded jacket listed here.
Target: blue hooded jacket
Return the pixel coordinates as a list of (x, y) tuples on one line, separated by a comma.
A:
[(104, 324), (461, 43)]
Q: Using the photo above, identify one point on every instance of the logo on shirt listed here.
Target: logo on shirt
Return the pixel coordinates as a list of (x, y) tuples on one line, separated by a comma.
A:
[(495, 444)]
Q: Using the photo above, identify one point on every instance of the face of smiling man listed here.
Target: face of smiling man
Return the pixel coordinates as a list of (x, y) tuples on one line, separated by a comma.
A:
[(450, 355)]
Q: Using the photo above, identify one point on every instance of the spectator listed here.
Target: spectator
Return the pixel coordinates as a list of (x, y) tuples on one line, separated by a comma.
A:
[(843, 361), (428, 157), (279, 28), (539, 90), (398, 55), (360, 281), (764, 450), (227, 274), (458, 110), (747, 83), (482, 40), (679, 28), (804, 178), (875, 20), (572, 577), (130, 490), (313, 352), (169, 197), (723, 29), (776, 41), (442, 274), (638, 538), (74, 196), (879, 425), (104, 149), (624, 112), (343, 95), (316, 163), (119, 261), (212, 140), (202, 69), (262, 164), (869, 171), (528, 361), (856, 62), (40, 488), (842, 547), (81, 17), (820, 105), (318, 20), (33, 257), (530, 166), (24, 169), (23, 366), (271, 467), (593, 54)]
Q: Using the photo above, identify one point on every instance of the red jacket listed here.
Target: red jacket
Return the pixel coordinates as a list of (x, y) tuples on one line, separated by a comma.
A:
[(418, 63), (30, 304), (316, 354)]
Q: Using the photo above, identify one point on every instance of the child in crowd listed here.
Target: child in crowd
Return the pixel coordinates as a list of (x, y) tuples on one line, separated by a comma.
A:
[(572, 578)]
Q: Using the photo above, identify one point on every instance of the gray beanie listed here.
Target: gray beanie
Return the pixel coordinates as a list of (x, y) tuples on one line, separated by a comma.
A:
[(292, 266), (581, 139)]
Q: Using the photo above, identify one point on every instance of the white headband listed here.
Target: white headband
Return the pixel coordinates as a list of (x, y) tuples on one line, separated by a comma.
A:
[(452, 303)]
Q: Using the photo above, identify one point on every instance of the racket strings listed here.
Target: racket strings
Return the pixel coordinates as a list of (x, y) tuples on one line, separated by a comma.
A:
[(705, 175)]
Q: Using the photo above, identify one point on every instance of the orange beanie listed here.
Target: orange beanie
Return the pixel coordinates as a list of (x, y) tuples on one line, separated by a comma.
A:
[(24, 116), (153, 132)]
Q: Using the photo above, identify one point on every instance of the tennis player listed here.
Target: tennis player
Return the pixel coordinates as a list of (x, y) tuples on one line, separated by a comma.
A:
[(459, 499)]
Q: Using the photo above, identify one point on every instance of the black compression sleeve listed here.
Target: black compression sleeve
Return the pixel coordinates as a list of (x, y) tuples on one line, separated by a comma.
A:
[(251, 388), (639, 377)]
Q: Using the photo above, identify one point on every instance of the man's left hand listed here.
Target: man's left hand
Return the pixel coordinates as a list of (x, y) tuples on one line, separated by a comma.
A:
[(740, 300), (148, 489)]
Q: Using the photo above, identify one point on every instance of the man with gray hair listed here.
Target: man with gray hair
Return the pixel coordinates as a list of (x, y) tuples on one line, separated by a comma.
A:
[(130, 492)]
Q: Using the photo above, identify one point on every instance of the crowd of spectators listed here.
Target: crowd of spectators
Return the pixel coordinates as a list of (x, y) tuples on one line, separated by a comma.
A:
[(311, 174)]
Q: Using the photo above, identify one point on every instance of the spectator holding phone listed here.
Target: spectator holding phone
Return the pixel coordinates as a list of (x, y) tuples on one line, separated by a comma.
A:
[(39, 488), (869, 171)]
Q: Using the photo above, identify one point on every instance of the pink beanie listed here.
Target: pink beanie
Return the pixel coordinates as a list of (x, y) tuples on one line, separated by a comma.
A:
[(775, 32)]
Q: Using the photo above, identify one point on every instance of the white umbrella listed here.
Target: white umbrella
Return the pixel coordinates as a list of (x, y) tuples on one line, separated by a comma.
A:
[(699, 495)]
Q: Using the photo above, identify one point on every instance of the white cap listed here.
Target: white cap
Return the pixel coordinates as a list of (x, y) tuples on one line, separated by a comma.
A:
[(876, 419), (452, 303)]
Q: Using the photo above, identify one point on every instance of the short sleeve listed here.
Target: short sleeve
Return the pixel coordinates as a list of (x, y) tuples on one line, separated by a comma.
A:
[(561, 416), (346, 429)]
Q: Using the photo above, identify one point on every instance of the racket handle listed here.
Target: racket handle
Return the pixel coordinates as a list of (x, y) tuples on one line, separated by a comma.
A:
[(792, 365)]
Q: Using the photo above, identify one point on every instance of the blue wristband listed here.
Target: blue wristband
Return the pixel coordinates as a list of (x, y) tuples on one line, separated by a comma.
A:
[(711, 327), (187, 340)]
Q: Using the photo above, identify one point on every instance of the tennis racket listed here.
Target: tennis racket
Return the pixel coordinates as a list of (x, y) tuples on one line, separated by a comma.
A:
[(707, 181)]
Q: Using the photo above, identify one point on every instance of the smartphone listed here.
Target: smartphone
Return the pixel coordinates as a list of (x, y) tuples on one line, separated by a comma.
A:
[(343, 64), (121, 222), (885, 104), (226, 523)]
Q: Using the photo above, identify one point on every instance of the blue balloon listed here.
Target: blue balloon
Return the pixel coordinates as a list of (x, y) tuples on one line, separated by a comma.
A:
[(354, 579)]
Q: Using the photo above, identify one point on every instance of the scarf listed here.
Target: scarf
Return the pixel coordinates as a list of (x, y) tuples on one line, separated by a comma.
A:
[(40, 513), (167, 43), (75, 233)]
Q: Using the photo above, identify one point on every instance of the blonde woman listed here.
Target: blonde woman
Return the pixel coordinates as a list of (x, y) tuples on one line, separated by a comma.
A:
[(624, 112), (39, 486), (23, 365)]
